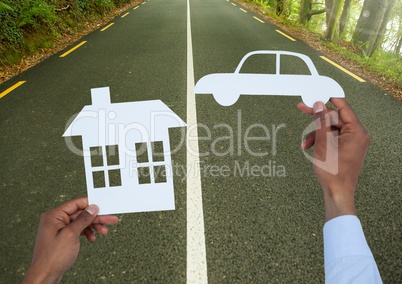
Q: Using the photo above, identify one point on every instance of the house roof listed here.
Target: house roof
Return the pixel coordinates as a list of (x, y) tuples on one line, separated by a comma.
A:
[(106, 118)]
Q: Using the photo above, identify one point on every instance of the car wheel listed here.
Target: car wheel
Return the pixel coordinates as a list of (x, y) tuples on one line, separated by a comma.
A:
[(226, 99)]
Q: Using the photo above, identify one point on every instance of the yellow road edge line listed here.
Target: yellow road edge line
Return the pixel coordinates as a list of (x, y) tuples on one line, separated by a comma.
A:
[(243, 10), (285, 35), (72, 49), (108, 26), (343, 69), (136, 7), (143, 3), (12, 88), (233, 4), (125, 14), (258, 19)]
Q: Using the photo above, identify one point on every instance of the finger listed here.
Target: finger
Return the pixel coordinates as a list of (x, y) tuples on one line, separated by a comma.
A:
[(103, 219), (101, 229), (106, 219), (334, 116), (305, 109), (309, 141), (89, 234), (335, 121), (75, 215), (346, 113), (322, 124), (72, 206), (84, 220)]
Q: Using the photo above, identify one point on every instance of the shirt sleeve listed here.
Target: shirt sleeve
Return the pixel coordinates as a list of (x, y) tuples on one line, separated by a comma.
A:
[(347, 256)]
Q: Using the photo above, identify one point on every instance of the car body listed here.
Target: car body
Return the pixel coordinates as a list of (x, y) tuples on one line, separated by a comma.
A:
[(227, 87)]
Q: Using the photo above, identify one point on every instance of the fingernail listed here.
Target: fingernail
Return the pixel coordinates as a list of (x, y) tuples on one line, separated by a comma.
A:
[(92, 209), (318, 107)]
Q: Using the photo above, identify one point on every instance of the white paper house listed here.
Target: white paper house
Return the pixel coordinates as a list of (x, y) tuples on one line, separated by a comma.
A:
[(127, 155)]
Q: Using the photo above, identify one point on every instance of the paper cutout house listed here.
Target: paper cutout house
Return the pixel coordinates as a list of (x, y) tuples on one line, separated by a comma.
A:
[(126, 151)]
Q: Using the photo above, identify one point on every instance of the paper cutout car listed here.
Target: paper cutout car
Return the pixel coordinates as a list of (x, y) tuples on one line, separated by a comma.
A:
[(227, 87), (126, 153)]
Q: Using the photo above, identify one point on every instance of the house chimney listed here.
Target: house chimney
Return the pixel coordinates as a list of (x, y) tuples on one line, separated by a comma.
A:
[(100, 96)]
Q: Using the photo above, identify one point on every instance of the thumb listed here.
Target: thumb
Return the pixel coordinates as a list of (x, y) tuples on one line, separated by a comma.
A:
[(84, 219), (322, 123)]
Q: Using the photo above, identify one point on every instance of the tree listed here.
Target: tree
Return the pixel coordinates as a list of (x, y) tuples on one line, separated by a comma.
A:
[(380, 37), (306, 11), (333, 20), (393, 37), (398, 46), (281, 7), (328, 8), (372, 23), (398, 38), (345, 16)]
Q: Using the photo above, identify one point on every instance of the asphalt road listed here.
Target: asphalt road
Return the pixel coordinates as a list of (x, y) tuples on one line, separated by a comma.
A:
[(262, 225)]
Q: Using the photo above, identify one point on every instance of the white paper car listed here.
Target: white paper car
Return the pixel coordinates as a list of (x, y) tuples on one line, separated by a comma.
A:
[(227, 87)]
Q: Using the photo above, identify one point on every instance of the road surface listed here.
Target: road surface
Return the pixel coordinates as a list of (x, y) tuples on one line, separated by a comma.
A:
[(260, 205)]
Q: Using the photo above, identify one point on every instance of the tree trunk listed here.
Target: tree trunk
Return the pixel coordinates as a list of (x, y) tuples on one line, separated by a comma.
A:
[(333, 21), (305, 10), (280, 6), (371, 25), (397, 49), (328, 8), (345, 16), (380, 36)]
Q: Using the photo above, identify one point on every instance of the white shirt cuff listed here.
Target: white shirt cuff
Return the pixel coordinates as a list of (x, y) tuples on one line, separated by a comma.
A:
[(343, 237)]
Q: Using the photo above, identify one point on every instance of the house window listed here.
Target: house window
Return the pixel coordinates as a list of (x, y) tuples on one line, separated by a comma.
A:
[(105, 166), (151, 165)]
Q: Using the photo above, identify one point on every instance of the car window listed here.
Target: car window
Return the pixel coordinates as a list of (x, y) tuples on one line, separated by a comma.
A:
[(260, 64), (266, 64), (289, 65)]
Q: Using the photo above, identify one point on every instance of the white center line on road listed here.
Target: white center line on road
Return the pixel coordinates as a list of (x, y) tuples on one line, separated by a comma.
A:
[(196, 253)]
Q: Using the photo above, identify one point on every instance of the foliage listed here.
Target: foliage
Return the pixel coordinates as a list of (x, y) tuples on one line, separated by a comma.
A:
[(9, 30), (387, 64), (372, 25), (386, 60), (36, 14), (30, 24), (5, 7)]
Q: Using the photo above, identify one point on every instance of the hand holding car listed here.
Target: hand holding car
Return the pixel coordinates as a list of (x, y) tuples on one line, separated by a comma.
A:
[(338, 134)]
